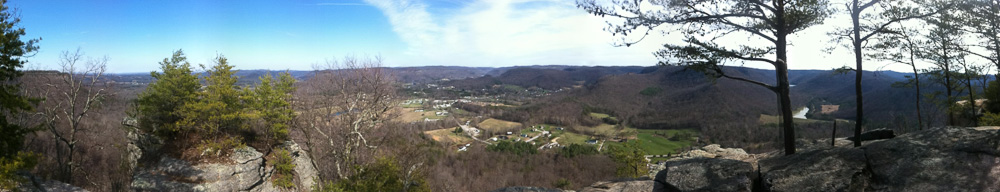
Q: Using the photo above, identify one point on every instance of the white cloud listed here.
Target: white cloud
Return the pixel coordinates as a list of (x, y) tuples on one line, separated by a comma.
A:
[(554, 32), (504, 33)]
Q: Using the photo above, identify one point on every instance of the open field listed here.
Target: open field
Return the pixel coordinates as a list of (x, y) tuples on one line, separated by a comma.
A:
[(496, 125), (566, 138), (653, 143), (412, 105), (446, 136), (408, 115), (605, 130), (599, 115)]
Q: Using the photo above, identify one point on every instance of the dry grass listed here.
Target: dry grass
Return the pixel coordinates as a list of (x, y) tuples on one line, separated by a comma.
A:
[(605, 130), (446, 136), (496, 125), (408, 115)]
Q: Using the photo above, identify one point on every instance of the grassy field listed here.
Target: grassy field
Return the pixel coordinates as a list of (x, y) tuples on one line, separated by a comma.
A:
[(412, 105), (566, 138), (496, 125), (446, 136), (408, 115), (599, 115), (654, 144), (605, 130)]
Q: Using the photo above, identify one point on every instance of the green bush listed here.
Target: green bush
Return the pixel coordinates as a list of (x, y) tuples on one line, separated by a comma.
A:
[(992, 94), (284, 168), (9, 166), (563, 183), (990, 119), (383, 175), (631, 160), (220, 146), (574, 150)]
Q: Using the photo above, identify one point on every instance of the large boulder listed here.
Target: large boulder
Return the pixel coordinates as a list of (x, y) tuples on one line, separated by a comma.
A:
[(838, 169), (305, 170), (616, 186), (940, 159), (246, 170), (526, 189), (706, 174)]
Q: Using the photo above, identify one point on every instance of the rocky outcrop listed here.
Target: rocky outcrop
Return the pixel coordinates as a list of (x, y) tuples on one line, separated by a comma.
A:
[(706, 174), (943, 159), (839, 169), (940, 159), (305, 170), (33, 183), (246, 170), (526, 189), (716, 151), (633, 185)]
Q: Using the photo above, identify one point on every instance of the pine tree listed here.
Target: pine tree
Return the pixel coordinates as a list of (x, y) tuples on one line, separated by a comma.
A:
[(11, 102), (173, 88), (271, 103), (218, 108)]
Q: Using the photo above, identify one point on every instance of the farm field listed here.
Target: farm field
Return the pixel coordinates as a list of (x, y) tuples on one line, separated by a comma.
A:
[(447, 136), (496, 125)]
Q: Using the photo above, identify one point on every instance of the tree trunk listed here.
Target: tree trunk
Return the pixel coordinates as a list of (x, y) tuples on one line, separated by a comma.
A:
[(859, 124), (833, 138), (916, 79), (972, 97), (781, 70)]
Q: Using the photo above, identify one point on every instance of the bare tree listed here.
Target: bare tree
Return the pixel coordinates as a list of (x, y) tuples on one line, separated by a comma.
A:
[(345, 104), (901, 48), (70, 96)]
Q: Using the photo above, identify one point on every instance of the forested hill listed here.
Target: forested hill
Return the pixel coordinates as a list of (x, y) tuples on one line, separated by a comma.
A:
[(685, 94), (674, 98), (669, 96)]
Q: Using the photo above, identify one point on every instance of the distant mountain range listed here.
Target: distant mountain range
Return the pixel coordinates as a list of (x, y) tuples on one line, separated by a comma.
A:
[(674, 96)]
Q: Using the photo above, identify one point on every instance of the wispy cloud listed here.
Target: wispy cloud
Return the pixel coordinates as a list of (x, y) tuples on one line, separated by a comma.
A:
[(503, 33)]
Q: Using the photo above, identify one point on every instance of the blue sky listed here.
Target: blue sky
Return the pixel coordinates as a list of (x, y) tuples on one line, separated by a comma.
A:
[(297, 34)]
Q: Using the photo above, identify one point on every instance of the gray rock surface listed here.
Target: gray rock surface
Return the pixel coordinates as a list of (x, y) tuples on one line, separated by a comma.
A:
[(839, 169), (526, 189), (304, 168), (940, 159), (33, 183), (707, 174), (247, 170), (626, 186)]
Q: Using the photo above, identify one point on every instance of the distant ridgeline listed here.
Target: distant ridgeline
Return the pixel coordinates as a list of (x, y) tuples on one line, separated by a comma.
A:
[(666, 97)]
